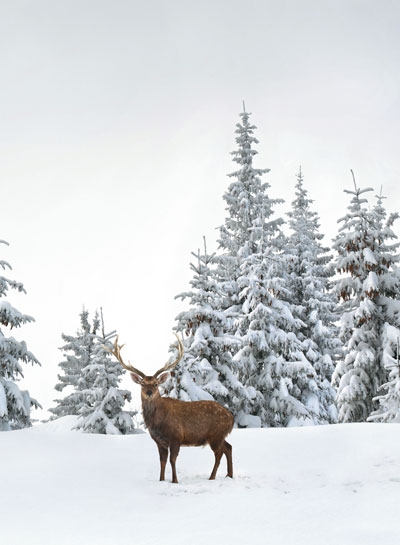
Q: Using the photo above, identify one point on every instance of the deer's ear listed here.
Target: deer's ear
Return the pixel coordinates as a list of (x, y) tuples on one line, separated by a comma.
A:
[(136, 378), (162, 378)]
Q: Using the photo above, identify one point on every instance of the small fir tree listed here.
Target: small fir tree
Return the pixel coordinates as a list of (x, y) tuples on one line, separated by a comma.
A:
[(15, 404), (102, 407), (78, 351)]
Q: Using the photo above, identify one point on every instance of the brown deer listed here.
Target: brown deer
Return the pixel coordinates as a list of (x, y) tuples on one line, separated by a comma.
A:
[(173, 423)]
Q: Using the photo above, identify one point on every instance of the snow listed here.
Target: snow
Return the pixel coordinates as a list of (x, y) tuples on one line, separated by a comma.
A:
[(371, 283), (248, 421), (392, 333), (298, 486), (369, 256), (3, 401)]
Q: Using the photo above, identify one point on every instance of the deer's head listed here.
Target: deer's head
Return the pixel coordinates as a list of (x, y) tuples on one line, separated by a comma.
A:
[(148, 384)]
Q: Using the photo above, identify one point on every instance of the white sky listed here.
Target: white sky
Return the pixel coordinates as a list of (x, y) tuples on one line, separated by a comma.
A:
[(117, 119)]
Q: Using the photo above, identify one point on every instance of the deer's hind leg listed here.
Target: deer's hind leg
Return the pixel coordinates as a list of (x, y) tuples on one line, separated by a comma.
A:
[(228, 454), (218, 450)]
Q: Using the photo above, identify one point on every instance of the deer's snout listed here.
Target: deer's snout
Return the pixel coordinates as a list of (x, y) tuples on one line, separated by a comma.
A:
[(149, 393)]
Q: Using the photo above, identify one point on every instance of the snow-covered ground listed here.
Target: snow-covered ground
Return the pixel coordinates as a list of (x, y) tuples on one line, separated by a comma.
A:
[(316, 485)]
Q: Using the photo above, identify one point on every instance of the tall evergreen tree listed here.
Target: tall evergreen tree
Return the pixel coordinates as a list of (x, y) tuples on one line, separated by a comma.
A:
[(249, 221), (368, 287), (206, 370), (310, 274), (251, 270), (15, 404), (78, 351)]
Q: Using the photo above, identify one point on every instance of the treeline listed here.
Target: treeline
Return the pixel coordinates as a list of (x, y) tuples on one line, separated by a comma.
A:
[(282, 329), (278, 327)]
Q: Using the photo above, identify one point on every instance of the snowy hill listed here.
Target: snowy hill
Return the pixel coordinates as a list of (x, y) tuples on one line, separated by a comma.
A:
[(329, 484)]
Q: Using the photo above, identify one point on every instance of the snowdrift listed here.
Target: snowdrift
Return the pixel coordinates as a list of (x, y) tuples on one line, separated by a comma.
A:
[(327, 484)]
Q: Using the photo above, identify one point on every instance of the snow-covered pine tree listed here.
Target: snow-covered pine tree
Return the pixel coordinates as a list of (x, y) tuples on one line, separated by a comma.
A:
[(368, 290), (389, 401), (251, 270), (103, 401), (310, 276), (249, 221), (15, 404), (206, 370), (78, 351)]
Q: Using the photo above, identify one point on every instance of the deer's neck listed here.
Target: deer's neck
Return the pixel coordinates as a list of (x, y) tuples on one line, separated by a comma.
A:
[(150, 411)]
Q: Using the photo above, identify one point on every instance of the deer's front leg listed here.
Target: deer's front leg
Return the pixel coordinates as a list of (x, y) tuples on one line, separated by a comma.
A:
[(173, 454), (163, 460)]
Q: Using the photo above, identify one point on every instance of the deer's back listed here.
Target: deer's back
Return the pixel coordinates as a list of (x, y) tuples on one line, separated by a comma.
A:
[(192, 423)]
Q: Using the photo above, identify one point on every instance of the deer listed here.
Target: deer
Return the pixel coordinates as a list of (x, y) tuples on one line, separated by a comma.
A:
[(173, 423)]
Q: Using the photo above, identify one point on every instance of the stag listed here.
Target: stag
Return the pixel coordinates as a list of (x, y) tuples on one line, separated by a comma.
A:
[(173, 423)]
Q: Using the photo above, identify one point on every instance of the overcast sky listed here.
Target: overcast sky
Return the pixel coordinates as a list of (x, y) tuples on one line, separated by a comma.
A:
[(117, 123)]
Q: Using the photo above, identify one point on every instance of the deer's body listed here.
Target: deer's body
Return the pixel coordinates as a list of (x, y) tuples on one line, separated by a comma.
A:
[(173, 423), (192, 423)]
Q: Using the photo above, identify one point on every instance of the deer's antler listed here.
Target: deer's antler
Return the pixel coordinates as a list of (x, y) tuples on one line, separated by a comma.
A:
[(169, 366), (116, 352)]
